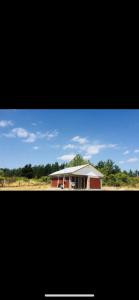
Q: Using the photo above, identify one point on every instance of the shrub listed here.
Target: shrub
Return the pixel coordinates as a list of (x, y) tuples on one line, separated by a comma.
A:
[(45, 179)]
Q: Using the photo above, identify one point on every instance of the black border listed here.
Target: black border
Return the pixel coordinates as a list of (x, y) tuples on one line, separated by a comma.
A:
[(69, 101)]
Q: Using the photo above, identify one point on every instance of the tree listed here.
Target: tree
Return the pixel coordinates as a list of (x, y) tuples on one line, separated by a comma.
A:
[(77, 161), (27, 171), (1, 173), (116, 169), (136, 173), (101, 164), (125, 172), (108, 167), (38, 171), (130, 173), (55, 167)]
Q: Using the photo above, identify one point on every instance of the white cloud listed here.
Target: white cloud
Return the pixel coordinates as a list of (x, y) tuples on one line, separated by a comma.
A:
[(31, 138), (126, 152), (111, 146), (79, 140), (5, 123), (17, 132), (69, 146), (87, 148), (136, 150), (67, 157), (132, 159), (51, 135), (48, 134), (95, 149), (20, 132), (23, 133), (34, 124), (35, 147)]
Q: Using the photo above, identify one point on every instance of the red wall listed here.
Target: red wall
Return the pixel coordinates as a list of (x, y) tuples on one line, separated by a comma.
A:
[(54, 182), (66, 183), (95, 183)]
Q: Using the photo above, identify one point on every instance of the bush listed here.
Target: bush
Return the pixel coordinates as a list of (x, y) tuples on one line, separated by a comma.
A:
[(45, 179), (133, 181), (118, 179)]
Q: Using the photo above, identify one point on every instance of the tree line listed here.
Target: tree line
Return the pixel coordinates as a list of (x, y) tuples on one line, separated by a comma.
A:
[(113, 175), (30, 171)]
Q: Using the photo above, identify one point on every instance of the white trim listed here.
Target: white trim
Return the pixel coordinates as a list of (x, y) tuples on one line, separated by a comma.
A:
[(88, 183), (69, 182), (58, 181)]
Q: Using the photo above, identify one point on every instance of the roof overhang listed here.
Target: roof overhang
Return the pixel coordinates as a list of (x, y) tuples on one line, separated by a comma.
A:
[(79, 171)]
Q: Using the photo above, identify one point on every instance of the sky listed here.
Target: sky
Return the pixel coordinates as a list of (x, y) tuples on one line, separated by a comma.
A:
[(41, 136)]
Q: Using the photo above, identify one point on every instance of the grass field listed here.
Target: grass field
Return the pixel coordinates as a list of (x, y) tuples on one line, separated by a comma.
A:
[(122, 188), (47, 187), (23, 186)]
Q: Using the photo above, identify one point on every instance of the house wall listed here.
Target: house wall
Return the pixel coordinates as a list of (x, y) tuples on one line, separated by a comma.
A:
[(60, 181), (55, 181), (95, 183), (66, 182)]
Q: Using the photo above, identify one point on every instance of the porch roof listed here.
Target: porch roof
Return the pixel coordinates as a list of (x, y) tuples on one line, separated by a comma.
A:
[(85, 170)]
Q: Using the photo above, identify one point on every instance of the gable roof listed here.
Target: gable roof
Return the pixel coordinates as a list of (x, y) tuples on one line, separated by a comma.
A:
[(68, 170), (87, 170)]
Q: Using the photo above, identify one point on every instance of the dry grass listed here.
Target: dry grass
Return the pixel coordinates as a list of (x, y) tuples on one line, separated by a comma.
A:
[(45, 187), (122, 188), (25, 187)]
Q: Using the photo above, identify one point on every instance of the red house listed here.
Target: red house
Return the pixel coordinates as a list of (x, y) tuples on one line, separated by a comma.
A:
[(79, 177)]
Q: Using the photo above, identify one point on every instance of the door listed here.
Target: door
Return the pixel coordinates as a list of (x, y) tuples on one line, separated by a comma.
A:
[(95, 183)]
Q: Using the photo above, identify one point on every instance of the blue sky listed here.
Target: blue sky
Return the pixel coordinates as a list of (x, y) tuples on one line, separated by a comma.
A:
[(49, 135)]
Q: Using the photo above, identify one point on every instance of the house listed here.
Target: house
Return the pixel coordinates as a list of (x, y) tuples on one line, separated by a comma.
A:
[(79, 177)]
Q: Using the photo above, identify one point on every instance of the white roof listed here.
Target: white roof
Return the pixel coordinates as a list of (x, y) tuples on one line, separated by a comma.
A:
[(86, 170)]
